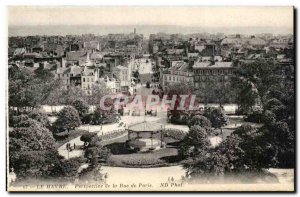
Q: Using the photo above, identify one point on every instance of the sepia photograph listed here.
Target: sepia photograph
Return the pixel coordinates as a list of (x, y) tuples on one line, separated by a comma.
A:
[(150, 99)]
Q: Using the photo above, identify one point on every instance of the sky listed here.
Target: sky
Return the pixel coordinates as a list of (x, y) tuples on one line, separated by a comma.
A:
[(278, 17)]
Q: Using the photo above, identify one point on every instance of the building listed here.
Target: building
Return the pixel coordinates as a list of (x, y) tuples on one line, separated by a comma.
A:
[(178, 73), (211, 72), (88, 77), (112, 84), (121, 74)]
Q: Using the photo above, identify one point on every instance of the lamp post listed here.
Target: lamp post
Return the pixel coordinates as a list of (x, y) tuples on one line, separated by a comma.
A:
[(101, 124), (161, 136)]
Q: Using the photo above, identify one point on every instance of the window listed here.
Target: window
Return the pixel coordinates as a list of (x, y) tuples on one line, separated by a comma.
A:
[(83, 79), (92, 80), (88, 79)]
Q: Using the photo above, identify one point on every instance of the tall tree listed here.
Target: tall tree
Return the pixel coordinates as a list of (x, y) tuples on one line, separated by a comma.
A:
[(217, 118), (254, 80), (68, 118), (81, 106)]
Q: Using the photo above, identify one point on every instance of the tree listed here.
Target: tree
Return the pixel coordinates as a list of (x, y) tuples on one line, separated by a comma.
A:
[(14, 120), (68, 118), (98, 91), (87, 137), (81, 106), (198, 137), (93, 149), (26, 89), (253, 81), (194, 142), (207, 167), (205, 93), (102, 115), (32, 154), (29, 142), (254, 151), (73, 93), (56, 96), (40, 116), (217, 118), (180, 89), (30, 135), (200, 120)]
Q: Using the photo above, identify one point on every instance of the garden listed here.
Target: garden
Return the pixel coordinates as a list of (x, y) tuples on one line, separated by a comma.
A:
[(123, 156)]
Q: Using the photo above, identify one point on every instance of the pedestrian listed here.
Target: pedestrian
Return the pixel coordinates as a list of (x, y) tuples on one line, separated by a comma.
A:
[(74, 146), (67, 147)]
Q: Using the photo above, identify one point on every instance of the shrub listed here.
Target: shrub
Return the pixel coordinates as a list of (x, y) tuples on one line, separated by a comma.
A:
[(175, 133), (68, 118), (41, 117), (81, 106), (256, 116)]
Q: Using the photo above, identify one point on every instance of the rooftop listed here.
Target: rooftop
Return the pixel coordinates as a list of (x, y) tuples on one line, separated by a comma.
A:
[(209, 64), (145, 126)]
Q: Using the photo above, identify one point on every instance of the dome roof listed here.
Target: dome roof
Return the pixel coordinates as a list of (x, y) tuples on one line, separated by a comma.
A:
[(145, 126)]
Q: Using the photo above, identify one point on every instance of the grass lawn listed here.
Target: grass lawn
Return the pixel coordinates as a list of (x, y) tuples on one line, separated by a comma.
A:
[(124, 157), (151, 159)]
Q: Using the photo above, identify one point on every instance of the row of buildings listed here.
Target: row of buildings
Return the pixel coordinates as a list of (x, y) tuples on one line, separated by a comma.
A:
[(89, 60)]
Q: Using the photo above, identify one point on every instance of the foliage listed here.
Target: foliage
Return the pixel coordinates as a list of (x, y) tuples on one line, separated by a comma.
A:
[(81, 106), (30, 135), (200, 120), (28, 89), (256, 116), (98, 91), (68, 118), (207, 166), (16, 119), (216, 116), (93, 149), (105, 116), (180, 89), (175, 133), (247, 149), (73, 93), (87, 137), (41, 117), (253, 81), (31, 148), (198, 137)]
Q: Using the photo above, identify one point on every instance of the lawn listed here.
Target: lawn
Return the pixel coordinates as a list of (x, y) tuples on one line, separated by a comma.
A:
[(152, 159), (124, 157)]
